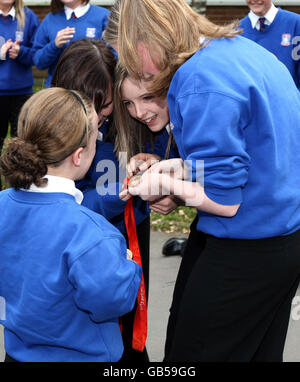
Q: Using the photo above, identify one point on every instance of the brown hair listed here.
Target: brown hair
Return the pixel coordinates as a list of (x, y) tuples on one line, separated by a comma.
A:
[(170, 30), (52, 124), (88, 66), (132, 135), (57, 5)]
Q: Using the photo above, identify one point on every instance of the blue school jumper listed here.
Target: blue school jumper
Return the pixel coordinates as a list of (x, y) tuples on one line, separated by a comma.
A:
[(236, 107), (90, 25), (64, 278), (104, 180), (281, 38), (16, 75)]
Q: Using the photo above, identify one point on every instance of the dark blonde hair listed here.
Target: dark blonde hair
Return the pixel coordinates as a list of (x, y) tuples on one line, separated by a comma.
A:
[(20, 14), (52, 124), (171, 31)]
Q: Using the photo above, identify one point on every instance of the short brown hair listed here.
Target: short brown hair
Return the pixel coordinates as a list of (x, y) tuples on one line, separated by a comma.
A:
[(86, 65), (52, 124)]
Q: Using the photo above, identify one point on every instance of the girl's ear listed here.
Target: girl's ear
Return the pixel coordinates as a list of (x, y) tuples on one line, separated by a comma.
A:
[(76, 157)]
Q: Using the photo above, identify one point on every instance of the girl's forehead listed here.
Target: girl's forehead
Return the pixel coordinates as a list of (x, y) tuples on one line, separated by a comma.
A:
[(148, 66)]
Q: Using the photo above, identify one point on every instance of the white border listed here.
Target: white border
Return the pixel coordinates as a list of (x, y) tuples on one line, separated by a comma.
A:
[(209, 2)]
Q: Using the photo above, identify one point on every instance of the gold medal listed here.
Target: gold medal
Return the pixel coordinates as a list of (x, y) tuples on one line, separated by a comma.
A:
[(134, 181)]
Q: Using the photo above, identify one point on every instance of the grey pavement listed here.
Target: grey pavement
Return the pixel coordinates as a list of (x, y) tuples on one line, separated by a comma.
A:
[(163, 272)]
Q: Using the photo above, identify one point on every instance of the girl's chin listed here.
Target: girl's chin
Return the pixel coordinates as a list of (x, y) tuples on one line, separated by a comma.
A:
[(155, 127)]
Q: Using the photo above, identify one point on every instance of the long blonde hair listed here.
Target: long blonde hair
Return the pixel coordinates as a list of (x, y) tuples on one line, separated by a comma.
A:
[(170, 29), (131, 135), (20, 14)]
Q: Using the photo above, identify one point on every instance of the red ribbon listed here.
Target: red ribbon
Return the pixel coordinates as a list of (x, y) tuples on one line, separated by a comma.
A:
[(140, 320)]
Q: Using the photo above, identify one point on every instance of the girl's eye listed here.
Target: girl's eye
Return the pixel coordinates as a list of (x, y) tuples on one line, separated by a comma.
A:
[(148, 97), (126, 103)]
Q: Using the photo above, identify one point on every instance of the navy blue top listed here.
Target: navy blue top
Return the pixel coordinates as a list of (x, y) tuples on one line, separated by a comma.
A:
[(16, 75), (281, 38)]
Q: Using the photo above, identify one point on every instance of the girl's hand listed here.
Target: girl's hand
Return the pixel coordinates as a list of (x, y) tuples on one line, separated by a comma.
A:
[(124, 193), (159, 179), (5, 48), (14, 50), (151, 186), (141, 162), (173, 167), (165, 205), (64, 36)]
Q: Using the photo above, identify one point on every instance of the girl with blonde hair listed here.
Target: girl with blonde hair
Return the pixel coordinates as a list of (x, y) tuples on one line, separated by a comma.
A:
[(65, 276), (239, 167), (18, 26)]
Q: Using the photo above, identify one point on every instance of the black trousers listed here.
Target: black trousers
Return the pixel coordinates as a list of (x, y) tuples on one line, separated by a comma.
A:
[(9, 359), (129, 354), (232, 302), (10, 107)]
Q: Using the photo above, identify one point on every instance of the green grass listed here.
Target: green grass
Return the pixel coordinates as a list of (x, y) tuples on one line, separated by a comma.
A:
[(178, 221), (38, 84)]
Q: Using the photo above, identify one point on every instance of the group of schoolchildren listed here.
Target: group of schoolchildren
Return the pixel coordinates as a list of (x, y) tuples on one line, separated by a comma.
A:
[(75, 231)]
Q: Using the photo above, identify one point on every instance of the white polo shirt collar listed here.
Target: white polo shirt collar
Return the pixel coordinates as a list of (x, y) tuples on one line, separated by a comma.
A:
[(269, 16), (12, 13), (79, 11), (59, 184)]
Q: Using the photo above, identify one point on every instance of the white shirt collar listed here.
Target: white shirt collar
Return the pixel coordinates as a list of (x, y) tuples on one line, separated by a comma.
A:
[(59, 184), (79, 11), (269, 16), (12, 13)]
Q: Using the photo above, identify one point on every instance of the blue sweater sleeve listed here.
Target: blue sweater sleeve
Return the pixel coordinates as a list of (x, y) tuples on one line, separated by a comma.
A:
[(105, 282), (46, 52), (26, 53), (217, 138)]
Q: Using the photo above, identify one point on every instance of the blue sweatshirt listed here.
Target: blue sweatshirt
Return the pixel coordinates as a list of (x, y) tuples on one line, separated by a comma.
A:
[(47, 54), (104, 180), (280, 38), (236, 107), (65, 280), (16, 75)]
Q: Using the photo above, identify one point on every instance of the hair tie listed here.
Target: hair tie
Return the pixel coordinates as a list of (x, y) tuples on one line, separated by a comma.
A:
[(79, 99)]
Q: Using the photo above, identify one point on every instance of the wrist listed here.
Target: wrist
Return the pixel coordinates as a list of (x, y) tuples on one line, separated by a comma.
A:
[(191, 193), (2, 55)]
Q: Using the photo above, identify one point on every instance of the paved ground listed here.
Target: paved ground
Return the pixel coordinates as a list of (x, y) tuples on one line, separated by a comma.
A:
[(163, 271)]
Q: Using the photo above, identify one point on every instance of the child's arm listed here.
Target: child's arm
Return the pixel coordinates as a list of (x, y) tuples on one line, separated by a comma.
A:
[(105, 281)]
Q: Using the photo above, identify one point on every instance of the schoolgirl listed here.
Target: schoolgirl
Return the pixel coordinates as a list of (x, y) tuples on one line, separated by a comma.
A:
[(88, 65), (223, 93), (18, 26), (65, 276), (69, 20)]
